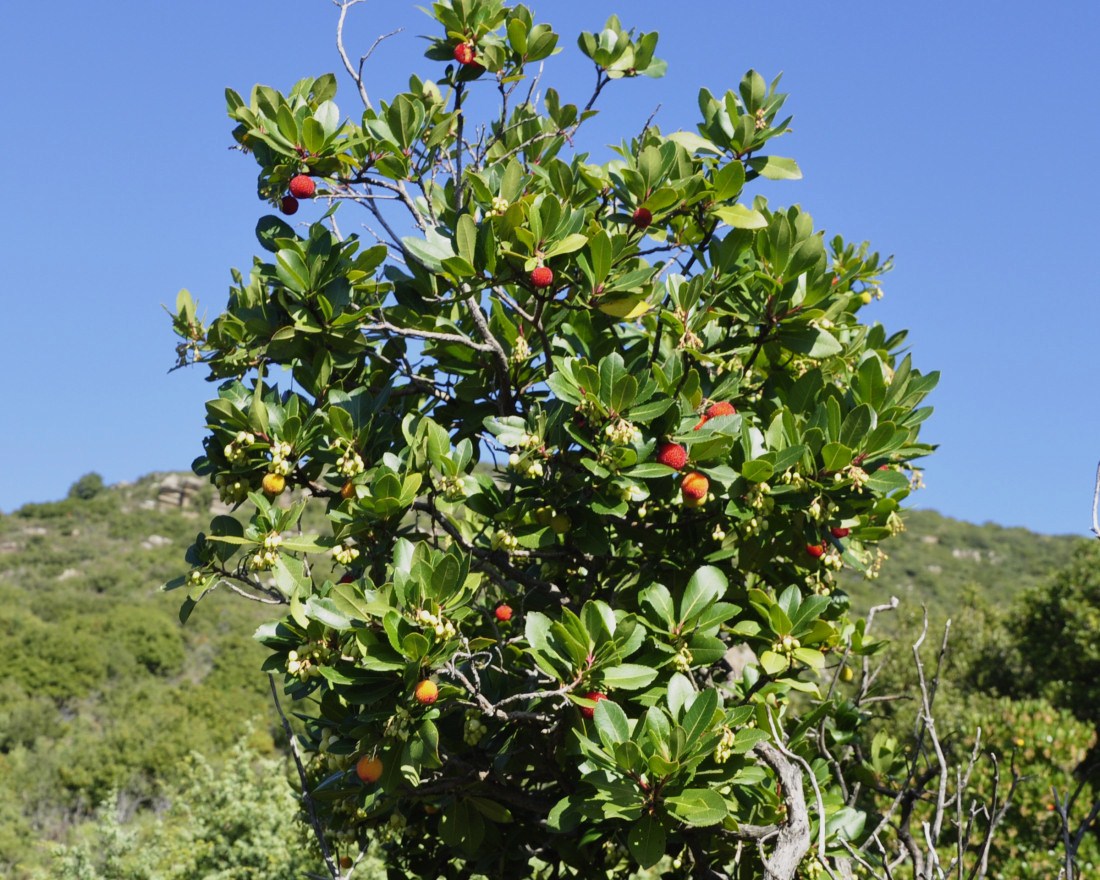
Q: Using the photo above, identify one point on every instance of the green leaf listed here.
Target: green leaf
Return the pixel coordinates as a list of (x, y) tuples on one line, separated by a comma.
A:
[(813, 659), (775, 168), (567, 245), (657, 597), (836, 456), (811, 341), (697, 719), (698, 806), (628, 676), (466, 239), (706, 586), (646, 841), (292, 270), (740, 217), (757, 471), (611, 723), (857, 425), (773, 663)]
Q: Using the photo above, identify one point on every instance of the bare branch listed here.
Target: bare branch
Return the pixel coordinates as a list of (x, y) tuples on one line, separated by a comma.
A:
[(314, 820), (356, 74), (793, 839), (1096, 504), (427, 334)]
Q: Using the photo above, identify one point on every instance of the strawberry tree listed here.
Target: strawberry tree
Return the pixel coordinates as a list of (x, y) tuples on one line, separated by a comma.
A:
[(625, 400)]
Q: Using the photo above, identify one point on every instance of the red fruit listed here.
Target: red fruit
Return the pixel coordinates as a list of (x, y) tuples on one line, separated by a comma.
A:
[(426, 692), (542, 276), (840, 531), (289, 205), (720, 409), (595, 697), (302, 186), (672, 454), (815, 550), (465, 53), (642, 218), (694, 488), (503, 613)]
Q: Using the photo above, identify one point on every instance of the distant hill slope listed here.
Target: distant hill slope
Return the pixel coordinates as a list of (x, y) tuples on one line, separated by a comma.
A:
[(939, 561), (103, 689)]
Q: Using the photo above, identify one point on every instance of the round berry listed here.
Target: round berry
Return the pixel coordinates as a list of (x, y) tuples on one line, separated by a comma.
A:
[(274, 484), (542, 276), (815, 550), (289, 205), (503, 613), (465, 53), (595, 697), (672, 454), (642, 218), (302, 186), (694, 488), (426, 692), (720, 409), (369, 768), (840, 531)]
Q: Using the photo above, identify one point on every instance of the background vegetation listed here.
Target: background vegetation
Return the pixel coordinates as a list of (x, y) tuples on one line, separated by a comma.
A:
[(119, 759)]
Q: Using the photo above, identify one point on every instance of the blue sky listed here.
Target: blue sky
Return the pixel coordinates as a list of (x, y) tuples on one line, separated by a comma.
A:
[(960, 137)]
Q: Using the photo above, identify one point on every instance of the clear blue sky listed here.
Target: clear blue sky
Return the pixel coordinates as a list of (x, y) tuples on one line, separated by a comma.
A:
[(961, 137)]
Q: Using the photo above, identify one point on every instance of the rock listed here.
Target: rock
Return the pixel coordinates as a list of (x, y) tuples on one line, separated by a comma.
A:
[(69, 573), (738, 657), (154, 541), (178, 490)]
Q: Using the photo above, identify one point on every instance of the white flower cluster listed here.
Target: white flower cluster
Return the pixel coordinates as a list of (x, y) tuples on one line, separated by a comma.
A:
[(398, 724), (621, 432), (452, 488), (500, 205), (791, 477), (786, 645), (821, 510), (521, 351), (394, 827), (856, 474), (236, 450), (306, 661), (719, 534), (760, 499), (473, 729), (753, 526), (350, 463), (875, 567), (683, 660), (281, 462), (832, 559), (724, 749), (895, 524), (230, 490), (266, 557), (504, 540), (526, 465), (442, 627), (345, 553)]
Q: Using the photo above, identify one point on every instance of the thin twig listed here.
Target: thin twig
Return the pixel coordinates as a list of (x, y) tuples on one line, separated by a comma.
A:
[(318, 830)]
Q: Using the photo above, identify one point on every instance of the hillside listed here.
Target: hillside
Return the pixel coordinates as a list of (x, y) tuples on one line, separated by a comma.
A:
[(106, 691), (942, 561)]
